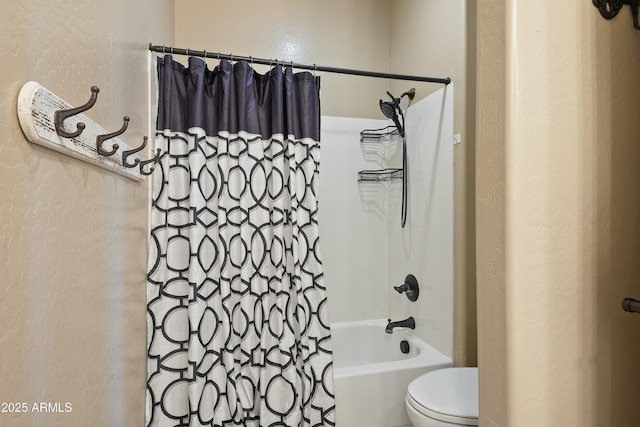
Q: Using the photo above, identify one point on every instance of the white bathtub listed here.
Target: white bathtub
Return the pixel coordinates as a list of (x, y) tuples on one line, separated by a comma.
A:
[(372, 374)]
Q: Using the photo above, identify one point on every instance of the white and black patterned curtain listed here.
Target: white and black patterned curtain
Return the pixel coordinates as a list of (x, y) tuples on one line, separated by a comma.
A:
[(238, 332)]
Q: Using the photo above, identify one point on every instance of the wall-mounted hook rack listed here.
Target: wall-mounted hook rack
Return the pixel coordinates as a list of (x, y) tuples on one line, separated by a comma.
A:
[(43, 116), (610, 8)]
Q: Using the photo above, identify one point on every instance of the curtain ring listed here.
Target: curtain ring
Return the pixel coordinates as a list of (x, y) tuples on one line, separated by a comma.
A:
[(164, 49), (315, 68), (171, 50), (231, 55), (187, 51)]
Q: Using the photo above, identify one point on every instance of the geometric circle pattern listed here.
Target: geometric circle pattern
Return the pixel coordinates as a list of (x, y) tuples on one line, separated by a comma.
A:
[(238, 333)]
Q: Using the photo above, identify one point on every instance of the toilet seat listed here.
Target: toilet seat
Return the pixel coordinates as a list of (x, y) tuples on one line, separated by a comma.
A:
[(449, 395)]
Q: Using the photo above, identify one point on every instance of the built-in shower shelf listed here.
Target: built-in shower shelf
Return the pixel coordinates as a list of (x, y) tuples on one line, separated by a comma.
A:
[(379, 145), (380, 175)]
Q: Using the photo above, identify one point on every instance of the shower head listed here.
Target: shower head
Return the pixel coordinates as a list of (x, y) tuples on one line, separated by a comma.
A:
[(391, 109), (395, 102), (388, 108)]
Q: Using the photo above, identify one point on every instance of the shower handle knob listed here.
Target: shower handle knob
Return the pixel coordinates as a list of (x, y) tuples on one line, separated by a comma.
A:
[(410, 287)]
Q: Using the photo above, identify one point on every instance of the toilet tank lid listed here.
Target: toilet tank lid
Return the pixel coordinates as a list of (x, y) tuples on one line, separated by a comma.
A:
[(449, 391)]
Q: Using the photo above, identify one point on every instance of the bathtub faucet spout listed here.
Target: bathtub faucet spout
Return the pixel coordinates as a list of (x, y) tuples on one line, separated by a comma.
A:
[(407, 323)]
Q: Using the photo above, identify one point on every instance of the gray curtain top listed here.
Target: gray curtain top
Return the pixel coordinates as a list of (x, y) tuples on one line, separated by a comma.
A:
[(236, 98)]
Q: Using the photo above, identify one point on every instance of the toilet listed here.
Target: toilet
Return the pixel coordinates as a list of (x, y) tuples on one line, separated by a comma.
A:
[(444, 398)]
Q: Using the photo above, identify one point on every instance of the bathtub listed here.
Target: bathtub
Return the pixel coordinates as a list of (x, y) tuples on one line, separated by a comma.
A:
[(371, 374)]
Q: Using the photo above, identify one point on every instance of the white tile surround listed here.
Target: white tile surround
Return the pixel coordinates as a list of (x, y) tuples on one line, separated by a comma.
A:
[(365, 252)]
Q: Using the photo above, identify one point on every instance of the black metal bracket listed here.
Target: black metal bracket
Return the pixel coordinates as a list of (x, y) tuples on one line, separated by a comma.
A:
[(610, 8)]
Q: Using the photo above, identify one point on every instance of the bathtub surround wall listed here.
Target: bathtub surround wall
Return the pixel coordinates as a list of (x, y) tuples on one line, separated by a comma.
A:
[(354, 244), (424, 247), (364, 222), (72, 311)]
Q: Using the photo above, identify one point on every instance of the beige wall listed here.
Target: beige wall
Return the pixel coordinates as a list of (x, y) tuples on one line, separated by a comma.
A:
[(432, 38), (348, 34), (490, 207), (558, 203), (73, 262)]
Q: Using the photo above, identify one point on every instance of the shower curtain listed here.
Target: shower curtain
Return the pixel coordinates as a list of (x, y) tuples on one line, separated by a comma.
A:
[(238, 333)]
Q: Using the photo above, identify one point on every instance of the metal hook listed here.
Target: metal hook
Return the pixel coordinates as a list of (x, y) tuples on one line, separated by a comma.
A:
[(315, 68), (127, 153), (164, 50), (61, 115), (187, 51), (610, 8), (154, 160), (100, 139)]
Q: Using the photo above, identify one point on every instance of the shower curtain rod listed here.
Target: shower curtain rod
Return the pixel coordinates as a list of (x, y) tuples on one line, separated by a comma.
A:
[(314, 67)]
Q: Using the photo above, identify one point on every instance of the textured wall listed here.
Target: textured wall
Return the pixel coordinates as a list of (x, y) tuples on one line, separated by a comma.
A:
[(568, 354), (490, 205), (73, 253), (338, 33)]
